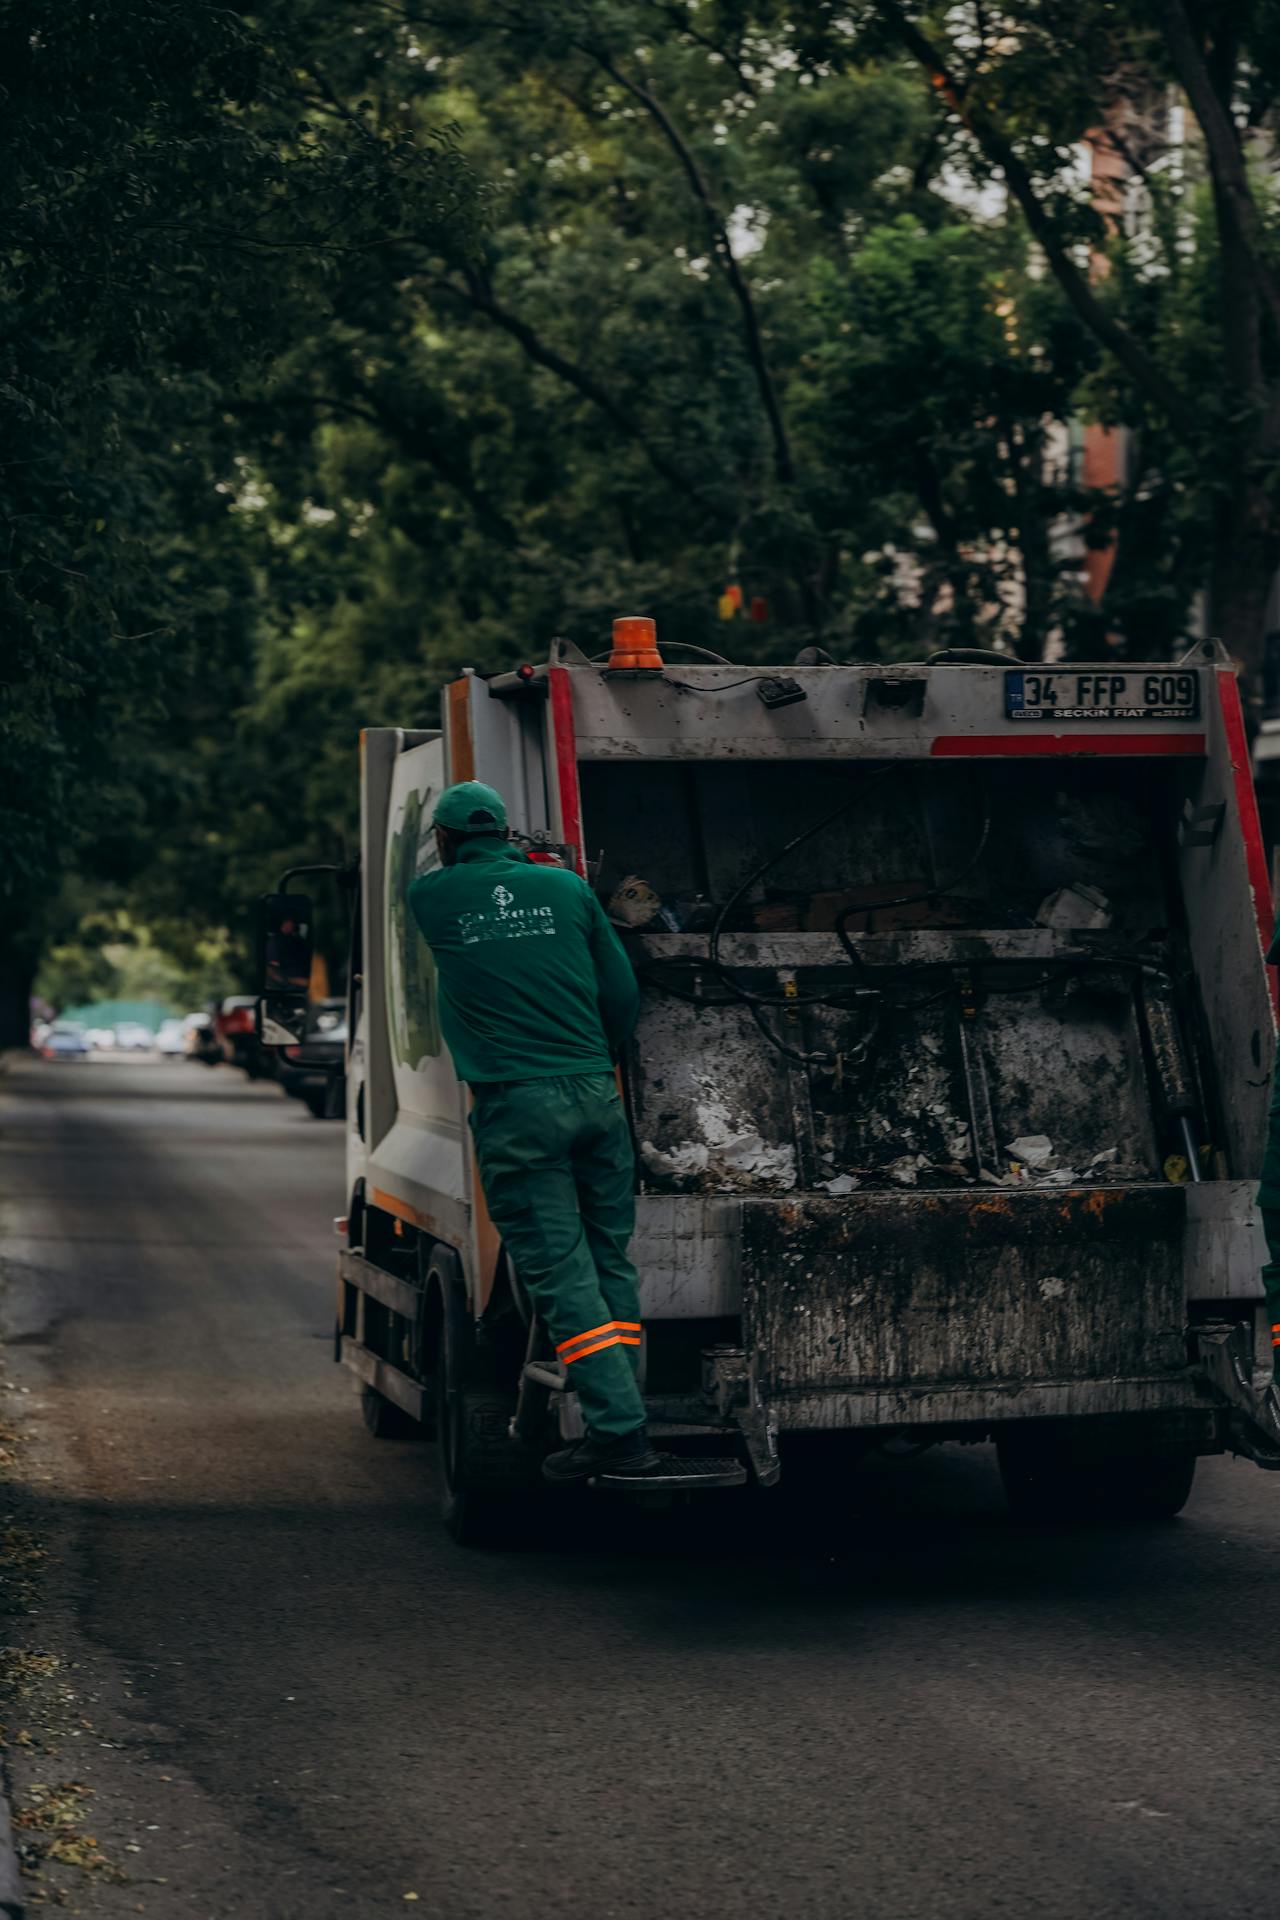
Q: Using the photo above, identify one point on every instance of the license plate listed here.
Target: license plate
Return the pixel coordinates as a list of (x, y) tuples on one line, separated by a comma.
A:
[(1086, 694)]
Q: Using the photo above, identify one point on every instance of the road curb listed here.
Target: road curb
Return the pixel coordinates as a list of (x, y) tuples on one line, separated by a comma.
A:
[(12, 1899)]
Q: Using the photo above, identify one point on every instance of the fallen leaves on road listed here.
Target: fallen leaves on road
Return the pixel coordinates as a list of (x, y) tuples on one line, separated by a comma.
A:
[(21, 1667), (46, 1831)]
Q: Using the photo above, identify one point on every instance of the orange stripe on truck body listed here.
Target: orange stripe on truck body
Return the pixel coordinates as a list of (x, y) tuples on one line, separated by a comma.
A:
[(459, 740)]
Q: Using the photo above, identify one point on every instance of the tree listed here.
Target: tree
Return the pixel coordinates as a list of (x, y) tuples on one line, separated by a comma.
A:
[(701, 306), (1017, 91), (619, 394), (153, 161)]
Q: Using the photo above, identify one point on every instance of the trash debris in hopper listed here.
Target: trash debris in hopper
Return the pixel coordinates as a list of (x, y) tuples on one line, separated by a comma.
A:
[(693, 1157), (747, 1153), (743, 1158), (730, 1155), (1034, 1150), (635, 904), (1031, 1164), (1078, 907), (841, 1183)]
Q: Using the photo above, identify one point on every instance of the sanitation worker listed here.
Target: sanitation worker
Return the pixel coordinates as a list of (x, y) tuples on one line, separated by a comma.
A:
[(536, 998)]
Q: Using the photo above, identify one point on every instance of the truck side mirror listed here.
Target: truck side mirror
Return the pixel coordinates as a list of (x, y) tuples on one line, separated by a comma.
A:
[(287, 944), (280, 1019)]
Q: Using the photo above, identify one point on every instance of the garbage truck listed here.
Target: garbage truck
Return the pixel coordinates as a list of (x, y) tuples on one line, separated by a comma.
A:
[(949, 1088)]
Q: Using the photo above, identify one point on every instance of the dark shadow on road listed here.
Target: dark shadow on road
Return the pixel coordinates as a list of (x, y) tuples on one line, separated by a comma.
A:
[(115, 1091), (933, 1529)]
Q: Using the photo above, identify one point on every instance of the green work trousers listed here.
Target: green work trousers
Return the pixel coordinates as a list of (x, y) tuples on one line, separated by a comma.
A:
[(558, 1170), (1271, 1280)]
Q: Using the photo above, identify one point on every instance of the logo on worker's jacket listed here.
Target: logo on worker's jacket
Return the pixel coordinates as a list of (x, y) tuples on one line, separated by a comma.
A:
[(508, 922)]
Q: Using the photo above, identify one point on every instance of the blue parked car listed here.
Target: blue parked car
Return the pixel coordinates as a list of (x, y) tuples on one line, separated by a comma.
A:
[(64, 1042)]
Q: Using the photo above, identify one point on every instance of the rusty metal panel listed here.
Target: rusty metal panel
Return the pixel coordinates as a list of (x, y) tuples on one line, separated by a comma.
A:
[(716, 1109), (1075, 1075), (963, 1289), (986, 1406), (712, 1112)]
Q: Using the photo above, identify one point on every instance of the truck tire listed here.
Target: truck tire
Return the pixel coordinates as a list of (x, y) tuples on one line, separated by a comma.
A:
[(487, 1480), (1042, 1487)]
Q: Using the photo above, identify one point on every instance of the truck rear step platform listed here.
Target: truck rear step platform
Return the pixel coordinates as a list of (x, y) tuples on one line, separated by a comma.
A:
[(677, 1475)]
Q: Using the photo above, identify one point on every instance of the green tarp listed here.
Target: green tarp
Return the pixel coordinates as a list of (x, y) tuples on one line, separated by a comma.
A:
[(110, 1013)]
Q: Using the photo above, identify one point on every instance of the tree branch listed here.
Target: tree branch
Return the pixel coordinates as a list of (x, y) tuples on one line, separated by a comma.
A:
[(1123, 150), (679, 18), (784, 466), (1238, 212), (413, 437), (1131, 354), (479, 296)]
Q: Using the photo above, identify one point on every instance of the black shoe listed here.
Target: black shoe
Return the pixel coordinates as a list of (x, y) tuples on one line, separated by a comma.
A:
[(1261, 1434), (620, 1457)]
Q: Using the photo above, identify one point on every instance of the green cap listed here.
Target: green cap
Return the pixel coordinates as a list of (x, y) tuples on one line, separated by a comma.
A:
[(471, 807)]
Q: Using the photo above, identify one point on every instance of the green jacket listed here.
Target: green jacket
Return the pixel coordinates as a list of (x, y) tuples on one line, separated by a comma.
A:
[(533, 979)]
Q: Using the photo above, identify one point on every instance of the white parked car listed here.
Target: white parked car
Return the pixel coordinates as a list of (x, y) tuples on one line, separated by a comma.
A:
[(171, 1039), (101, 1039), (133, 1037)]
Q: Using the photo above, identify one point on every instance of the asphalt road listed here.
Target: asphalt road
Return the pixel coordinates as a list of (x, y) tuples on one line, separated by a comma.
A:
[(299, 1699)]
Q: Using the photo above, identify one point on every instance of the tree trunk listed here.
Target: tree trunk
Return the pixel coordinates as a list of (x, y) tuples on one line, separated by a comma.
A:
[(1246, 556), (15, 1001), (1026, 457)]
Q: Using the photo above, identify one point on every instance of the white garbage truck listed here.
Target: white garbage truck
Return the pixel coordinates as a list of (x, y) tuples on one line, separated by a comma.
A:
[(949, 1089)]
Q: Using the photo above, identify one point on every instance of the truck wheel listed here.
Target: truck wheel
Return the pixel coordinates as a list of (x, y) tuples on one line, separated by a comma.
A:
[(1156, 1487), (314, 1101), (486, 1478), (1041, 1487)]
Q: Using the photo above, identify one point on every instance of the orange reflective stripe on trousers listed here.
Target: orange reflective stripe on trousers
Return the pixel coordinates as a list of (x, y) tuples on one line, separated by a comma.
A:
[(613, 1333)]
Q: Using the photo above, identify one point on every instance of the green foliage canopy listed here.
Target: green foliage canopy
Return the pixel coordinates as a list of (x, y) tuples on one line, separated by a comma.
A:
[(340, 349)]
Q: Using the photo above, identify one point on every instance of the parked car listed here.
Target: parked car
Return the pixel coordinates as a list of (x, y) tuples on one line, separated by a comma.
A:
[(235, 1027), (171, 1039), (201, 1041), (133, 1037), (101, 1039), (314, 1071), (65, 1042)]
